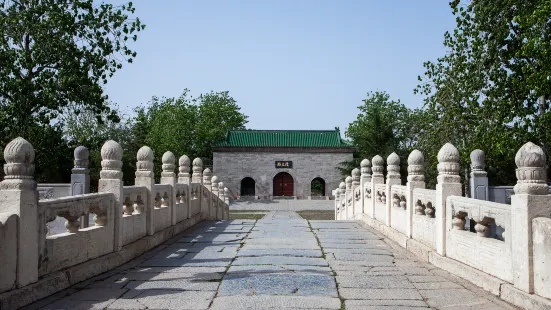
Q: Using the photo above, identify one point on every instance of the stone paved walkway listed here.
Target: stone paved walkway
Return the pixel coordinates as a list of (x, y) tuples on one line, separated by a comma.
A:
[(279, 262)]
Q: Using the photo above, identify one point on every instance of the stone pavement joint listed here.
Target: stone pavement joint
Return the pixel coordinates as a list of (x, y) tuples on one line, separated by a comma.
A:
[(279, 262)]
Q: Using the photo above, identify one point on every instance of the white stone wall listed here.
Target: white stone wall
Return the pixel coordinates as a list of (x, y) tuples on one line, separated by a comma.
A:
[(232, 167)]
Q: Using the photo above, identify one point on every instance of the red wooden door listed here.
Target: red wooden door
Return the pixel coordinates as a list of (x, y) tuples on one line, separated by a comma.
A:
[(283, 184)]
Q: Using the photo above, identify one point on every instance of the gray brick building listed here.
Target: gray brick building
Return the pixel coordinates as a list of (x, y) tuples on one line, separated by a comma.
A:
[(263, 164)]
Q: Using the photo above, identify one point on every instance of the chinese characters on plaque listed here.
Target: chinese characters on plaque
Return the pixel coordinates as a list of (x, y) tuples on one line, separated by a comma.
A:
[(284, 164)]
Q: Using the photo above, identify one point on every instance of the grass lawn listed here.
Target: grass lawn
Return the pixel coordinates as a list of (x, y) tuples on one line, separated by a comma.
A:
[(245, 216), (317, 214), (248, 211)]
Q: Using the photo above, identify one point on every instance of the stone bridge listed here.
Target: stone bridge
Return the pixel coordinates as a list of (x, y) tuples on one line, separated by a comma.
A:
[(171, 245)]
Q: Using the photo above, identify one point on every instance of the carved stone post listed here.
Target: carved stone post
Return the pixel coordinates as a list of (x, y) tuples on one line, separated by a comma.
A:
[(214, 203), (365, 179), (376, 178), (392, 178), (207, 187), (449, 184), (146, 177), (80, 178), (19, 197), (184, 178), (111, 182), (168, 176), (226, 213), (479, 177), (416, 179), (531, 200), (342, 201)]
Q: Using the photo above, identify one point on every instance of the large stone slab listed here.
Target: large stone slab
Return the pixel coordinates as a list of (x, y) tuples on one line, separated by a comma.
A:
[(384, 304), (280, 260), (364, 281), (179, 284), (255, 269), (380, 293), (275, 302), (164, 299), (278, 284), (279, 252)]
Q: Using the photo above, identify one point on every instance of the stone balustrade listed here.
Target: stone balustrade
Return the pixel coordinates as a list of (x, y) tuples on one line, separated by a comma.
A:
[(504, 248), (126, 220)]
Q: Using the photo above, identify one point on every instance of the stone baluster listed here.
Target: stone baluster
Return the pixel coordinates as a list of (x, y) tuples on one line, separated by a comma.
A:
[(342, 200), (184, 178), (19, 197), (207, 187), (168, 176), (356, 207), (146, 177), (197, 178), (337, 200), (348, 197), (479, 177), (531, 200), (111, 182), (365, 169), (80, 177), (214, 203), (221, 197), (448, 184), (416, 179), (226, 213), (392, 178), (377, 178)]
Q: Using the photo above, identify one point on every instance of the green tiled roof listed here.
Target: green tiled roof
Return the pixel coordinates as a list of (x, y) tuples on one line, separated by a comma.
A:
[(284, 138)]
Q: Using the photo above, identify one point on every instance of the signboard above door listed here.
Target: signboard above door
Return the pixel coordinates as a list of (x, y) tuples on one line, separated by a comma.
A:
[(284, 164)]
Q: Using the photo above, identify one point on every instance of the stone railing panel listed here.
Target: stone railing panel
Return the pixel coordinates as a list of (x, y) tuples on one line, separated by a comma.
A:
[(181, 203), (162, 209), (8, 251), (76, 245), (541, 230), (423, 224), (134, 223), (367, 197), (398, 194), (195, 198), (484, 250), (357, 198), (380, 202)]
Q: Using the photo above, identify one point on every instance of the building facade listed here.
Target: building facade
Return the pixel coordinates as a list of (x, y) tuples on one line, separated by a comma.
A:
[(263, 164)]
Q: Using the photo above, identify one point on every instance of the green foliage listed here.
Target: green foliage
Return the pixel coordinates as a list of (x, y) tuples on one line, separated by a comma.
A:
[(383, 126), (491, 90), (187, 125), (91, 130), (54, 56)]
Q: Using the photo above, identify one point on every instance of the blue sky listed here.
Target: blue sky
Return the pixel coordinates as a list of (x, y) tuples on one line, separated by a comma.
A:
[(289, 64)]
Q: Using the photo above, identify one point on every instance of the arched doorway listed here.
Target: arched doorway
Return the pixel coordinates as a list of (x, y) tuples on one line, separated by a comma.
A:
[(283, 184), (317, 187), (247, 187)]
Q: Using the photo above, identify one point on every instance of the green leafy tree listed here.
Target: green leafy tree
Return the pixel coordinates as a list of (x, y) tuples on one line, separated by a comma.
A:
[(383, 126), (88, 129), (492, 88), (187, 125), (55, 53)]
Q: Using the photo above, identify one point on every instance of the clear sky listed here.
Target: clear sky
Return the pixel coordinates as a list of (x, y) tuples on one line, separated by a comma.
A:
[(292, 64)]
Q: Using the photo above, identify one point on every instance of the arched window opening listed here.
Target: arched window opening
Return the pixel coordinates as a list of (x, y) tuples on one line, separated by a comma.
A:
[(317, 187), (283, 184), (247, 187)]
